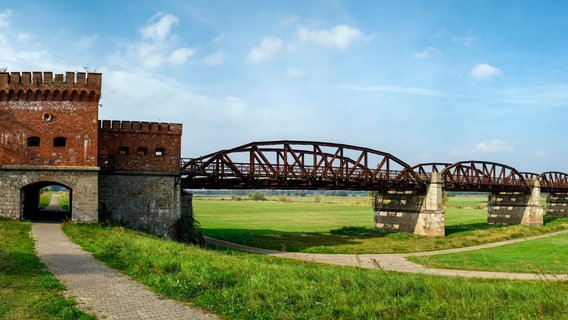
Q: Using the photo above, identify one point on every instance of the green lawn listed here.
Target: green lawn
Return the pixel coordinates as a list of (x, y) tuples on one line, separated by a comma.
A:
[(238, 285), (548, 255), (346, 226), (27, 290)]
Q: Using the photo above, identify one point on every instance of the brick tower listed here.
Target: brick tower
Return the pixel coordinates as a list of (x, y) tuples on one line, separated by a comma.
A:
[(49, 136)]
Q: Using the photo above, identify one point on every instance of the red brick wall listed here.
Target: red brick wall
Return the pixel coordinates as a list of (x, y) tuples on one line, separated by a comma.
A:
[(162, 142), (41, 105)]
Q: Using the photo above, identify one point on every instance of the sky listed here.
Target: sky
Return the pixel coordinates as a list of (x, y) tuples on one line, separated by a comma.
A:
[(426, 81)]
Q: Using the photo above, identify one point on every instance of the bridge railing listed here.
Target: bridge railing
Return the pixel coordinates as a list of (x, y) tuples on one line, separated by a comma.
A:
[(245, 175)]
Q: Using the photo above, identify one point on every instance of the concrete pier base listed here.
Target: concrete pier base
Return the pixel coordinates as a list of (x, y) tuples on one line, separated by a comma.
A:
[(557, 205), (415, 212), (510, 208)]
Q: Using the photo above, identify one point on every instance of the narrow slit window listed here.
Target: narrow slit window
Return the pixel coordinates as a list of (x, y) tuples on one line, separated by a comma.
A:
[(123, 150), (160, 152), (60, 142), (142, 151), (33, 142)]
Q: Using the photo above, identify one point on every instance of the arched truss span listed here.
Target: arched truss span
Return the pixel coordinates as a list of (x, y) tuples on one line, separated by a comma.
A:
[(483, 176), (299, 165), (553, 181), (424, 170), (529, 176)]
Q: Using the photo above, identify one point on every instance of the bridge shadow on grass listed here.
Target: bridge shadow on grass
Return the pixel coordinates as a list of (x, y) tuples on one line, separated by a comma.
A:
[(466, 228), (281, 240), (303, 241)]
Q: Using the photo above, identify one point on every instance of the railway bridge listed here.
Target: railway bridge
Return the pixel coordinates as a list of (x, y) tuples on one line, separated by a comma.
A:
[(408, 198)]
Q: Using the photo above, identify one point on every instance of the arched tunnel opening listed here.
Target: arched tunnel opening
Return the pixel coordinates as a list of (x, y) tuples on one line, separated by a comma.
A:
[(46, 201)]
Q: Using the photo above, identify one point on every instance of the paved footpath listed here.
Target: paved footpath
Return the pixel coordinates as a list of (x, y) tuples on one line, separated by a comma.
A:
[(100, 290), (398, 262)]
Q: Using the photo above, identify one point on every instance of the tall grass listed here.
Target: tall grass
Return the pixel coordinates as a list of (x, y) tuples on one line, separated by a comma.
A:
[(245, 286), (27, 290)]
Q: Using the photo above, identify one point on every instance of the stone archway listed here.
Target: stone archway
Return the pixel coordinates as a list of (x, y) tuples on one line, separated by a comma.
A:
[(46, 200)]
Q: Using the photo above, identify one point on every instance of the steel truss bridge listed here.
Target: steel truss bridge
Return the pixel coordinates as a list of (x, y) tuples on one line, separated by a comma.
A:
[(313, 165)]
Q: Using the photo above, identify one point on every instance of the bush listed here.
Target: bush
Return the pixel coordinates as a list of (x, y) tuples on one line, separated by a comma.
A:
[(186, 230), (257, 196)]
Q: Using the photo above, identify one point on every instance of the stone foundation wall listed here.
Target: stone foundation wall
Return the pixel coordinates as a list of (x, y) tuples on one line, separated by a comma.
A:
[(411, 211), (557, 205), (510, 208), (150, 202), (82, 181)]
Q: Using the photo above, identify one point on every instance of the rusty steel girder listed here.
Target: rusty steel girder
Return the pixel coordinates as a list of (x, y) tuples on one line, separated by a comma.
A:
[(299, 165), (424, 170), (553, 181), (483, 176)]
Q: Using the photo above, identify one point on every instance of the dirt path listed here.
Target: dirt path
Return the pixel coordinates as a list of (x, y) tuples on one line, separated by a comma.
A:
[(399, 263)]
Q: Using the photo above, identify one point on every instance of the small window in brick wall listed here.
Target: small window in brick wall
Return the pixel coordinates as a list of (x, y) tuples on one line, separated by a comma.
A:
[(33, 141), (142, 151), (60, 142), (160, 152), (123, 150)]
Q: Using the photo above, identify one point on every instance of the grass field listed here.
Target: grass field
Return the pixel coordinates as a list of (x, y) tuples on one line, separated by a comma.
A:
[(27, 290), (238, 285), (345, 225), (548, 255)]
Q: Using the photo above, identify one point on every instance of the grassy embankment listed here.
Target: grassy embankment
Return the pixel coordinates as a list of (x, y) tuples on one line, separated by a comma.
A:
[(27, 290), (245, 286), (344, 225)]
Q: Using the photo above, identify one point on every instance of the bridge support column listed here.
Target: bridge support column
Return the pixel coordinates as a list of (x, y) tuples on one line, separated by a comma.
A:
[(557, 204), (420, 213), (509, 208)]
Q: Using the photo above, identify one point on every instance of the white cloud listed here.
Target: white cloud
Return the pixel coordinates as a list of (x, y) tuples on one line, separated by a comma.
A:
[(485, 71), (24, 37), (290, 20), (398, 89), (426, 53), (5, 18), (466, 41), (86, 42), (494, 146), (295, 73), (161, 29), (215, 59), (340, 37), (268, 48), (180, 56), (157, 46)]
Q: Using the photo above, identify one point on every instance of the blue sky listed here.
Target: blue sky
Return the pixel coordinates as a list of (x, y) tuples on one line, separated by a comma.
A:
[(426, 81)]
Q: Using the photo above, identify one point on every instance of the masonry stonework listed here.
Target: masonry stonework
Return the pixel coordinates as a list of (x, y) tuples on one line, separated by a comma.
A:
[(50, 134), (418, 212), (139, 179), (557, 204)]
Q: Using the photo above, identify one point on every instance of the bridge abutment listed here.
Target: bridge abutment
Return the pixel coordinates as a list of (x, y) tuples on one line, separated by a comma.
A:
[(510, 208), (557, 204), (415, 212)]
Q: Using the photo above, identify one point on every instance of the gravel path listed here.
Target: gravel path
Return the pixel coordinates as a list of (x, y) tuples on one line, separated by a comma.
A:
[(398, 262), (98, 289)]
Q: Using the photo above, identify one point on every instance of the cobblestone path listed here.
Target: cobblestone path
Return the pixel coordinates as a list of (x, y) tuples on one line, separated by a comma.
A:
[(98, 289)]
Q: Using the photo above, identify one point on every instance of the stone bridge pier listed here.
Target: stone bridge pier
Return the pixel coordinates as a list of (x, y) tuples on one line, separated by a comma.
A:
[(509, 208), (415, 212), (557, 204), (422, 213)]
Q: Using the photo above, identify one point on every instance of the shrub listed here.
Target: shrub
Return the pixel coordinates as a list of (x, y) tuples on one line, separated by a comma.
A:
[(186, 230), (257, 196)]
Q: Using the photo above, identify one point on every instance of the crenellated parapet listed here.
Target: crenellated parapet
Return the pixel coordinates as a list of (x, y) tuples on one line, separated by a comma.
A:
[(46, 86), (139, 126)]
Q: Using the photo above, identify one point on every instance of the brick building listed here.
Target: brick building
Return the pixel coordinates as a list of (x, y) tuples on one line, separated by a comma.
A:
[(50, 134)]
